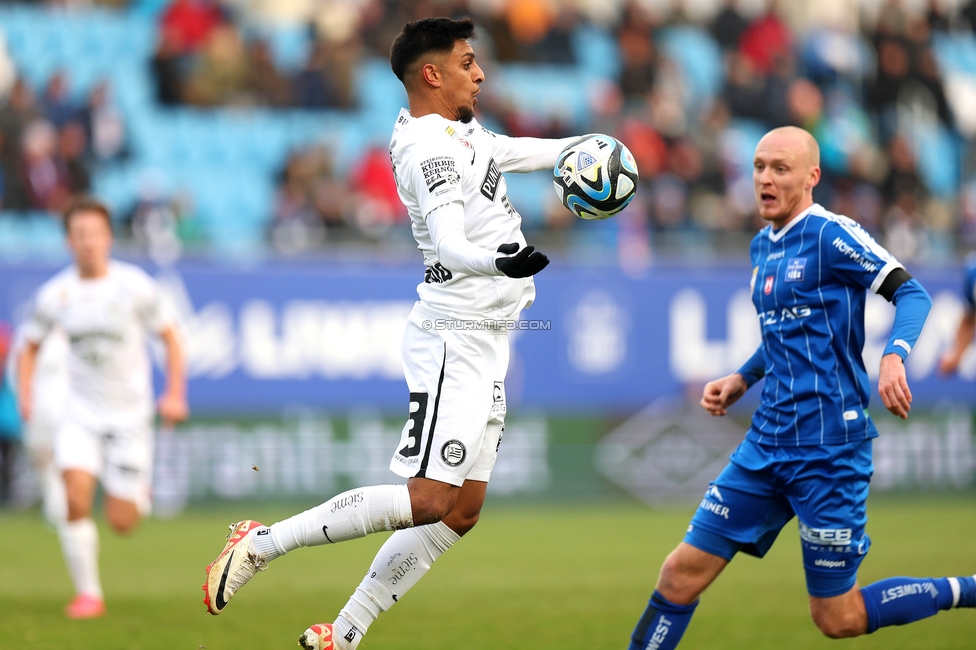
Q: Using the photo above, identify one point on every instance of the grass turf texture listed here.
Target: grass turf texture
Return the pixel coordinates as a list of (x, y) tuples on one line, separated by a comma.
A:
[(535, 578)]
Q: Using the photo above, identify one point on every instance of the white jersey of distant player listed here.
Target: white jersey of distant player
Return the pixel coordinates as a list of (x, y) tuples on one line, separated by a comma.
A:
[(437, 161), (105, 322)]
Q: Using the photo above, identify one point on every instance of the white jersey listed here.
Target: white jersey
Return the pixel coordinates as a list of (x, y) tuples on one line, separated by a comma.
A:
[(105, 322), (437, 161)]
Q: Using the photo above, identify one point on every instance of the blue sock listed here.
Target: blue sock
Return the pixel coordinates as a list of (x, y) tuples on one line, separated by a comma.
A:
[(898, 601), (662, 624)]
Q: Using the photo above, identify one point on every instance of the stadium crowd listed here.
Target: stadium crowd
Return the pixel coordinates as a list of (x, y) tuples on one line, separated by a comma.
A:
[(880, 89)]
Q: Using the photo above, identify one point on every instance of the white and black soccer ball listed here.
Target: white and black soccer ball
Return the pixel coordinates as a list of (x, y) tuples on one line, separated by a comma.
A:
[(595, 177)]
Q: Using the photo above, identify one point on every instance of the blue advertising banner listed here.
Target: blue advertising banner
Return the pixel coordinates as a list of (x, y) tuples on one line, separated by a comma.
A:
[(327, 336)]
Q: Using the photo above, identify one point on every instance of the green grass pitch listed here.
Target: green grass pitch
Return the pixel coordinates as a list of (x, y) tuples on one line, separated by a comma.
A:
[(533, 577)]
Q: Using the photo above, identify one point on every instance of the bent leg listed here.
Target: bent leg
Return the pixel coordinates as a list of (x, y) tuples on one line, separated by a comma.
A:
[(685, 574), (893, 601), (122, 515), (402, 561)]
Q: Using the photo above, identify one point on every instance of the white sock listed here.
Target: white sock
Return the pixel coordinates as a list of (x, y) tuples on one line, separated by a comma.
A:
[(349, 515), (400, 563), (79, 543), (55, 498)]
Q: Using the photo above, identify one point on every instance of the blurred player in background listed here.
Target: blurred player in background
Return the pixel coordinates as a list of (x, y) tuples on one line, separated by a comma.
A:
[(50, 394), (10, 425), (950, 361), (808, 451), (478, 268), (106, 309)]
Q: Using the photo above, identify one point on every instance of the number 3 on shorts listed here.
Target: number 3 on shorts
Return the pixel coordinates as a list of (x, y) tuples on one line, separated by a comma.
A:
[(413, 430)]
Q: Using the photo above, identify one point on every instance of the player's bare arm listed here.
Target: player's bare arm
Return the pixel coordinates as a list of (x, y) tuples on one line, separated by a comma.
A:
[(893, 386), (26, 363), (949, 362), (172, 404), (723, 393)]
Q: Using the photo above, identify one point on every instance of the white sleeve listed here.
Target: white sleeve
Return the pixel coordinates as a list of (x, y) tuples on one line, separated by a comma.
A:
[(454, 251), (527, 154), (153, 314), (42, 318)]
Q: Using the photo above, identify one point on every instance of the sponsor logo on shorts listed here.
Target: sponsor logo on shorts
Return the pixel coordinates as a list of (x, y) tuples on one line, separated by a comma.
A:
[(453, 452), (715, 508), (831, 564), (826, 536)]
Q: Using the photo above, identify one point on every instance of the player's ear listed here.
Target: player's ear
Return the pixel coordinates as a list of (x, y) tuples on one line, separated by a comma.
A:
[(431, 74), (814, 177)]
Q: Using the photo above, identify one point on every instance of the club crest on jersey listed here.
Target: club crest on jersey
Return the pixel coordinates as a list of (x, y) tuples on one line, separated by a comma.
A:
[(768, 285), (795, 268)]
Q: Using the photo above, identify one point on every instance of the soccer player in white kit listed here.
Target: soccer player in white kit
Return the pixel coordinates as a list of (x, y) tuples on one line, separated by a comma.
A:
[(478, 278), (106, 309)]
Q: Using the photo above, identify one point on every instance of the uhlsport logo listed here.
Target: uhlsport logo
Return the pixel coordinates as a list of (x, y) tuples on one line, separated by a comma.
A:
[(453, 452)]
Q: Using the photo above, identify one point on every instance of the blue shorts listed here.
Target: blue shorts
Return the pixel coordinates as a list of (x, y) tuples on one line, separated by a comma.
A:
[(763, 487)]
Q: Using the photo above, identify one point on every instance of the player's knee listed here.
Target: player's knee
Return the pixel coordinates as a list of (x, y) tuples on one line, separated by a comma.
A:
[(676, 581), (432, 502), (123, 524), (840, 625), (79, 506), (462, 523)]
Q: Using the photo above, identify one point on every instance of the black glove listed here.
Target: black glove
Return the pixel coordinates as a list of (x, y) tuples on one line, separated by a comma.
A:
[(526, 263)]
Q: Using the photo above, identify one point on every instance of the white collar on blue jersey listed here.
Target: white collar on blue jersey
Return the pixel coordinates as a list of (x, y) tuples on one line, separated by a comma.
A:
[(776, 235)]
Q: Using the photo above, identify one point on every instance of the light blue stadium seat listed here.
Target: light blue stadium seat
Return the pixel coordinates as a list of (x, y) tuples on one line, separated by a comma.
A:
[(596, 52), (700, 59), (547, 90)]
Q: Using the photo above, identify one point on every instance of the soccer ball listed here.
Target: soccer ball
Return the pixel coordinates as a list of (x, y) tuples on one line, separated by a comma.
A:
[(595, 177)]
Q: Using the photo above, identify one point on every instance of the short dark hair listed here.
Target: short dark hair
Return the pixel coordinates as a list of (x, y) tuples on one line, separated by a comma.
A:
[(427, 35), (86, 204)]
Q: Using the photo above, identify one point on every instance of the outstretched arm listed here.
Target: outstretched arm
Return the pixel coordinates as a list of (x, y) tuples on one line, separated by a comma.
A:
[(912, 305), (26, 363), (172, 404), (528, 154), (964, 337)]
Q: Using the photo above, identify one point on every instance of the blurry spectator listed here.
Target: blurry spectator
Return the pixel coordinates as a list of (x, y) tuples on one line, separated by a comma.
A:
[(219, 74), (56, 103), (310, 204), (744, 88), (728, 26), (903, 178), (765, 41), (638, 56), (313, 88), (264, 83), (20, 109), (105, 126), (167, 69), (190, 23), (73, 147), (8, 71), (10, 425), (43, 169), (154, 226), (376, 204), (905, 236), (893, 67)]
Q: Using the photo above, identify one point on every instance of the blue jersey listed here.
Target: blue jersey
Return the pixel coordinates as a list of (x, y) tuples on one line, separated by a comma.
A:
[(808, 286), (969, 283)]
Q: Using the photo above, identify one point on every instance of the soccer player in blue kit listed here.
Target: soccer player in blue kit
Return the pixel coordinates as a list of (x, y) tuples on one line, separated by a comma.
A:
[(808, 451), (949, 363)]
